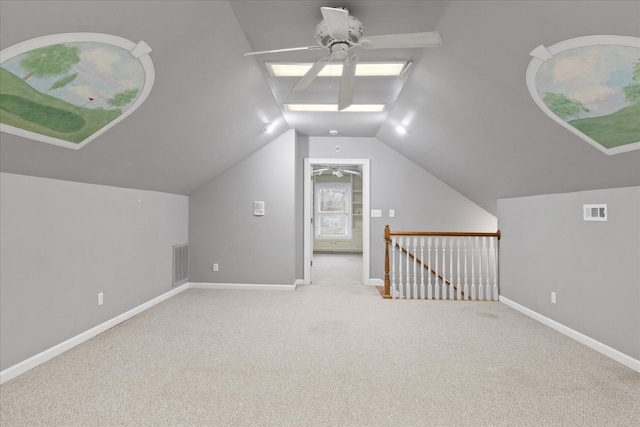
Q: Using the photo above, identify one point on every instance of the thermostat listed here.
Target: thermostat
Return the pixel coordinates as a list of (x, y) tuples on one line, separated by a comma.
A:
[(258, 208)]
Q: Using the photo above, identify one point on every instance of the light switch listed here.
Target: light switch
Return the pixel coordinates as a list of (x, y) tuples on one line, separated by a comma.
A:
[(392, 213), (376, 213)]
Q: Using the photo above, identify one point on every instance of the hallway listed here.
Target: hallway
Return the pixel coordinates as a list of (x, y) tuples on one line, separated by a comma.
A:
[(337, 269)]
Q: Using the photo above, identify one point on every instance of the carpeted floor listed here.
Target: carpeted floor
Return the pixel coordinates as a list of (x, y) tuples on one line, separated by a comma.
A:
[(333, 353)]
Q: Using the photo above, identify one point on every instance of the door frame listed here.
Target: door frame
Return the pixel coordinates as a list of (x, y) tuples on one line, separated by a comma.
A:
[(308, 203)]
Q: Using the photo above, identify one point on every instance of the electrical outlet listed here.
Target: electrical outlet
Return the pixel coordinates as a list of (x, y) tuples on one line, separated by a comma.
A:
[(100, 299), (215, 267), (553, 297)]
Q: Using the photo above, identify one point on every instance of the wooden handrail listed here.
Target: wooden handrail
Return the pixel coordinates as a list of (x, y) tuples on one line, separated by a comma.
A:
[(387, 238), (442, 233)]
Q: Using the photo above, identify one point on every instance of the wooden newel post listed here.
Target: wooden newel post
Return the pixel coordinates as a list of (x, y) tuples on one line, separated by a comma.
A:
[(387, 240)]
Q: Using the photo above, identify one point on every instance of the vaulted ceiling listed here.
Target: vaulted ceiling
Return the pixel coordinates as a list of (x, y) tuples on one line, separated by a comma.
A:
[(470, 119)]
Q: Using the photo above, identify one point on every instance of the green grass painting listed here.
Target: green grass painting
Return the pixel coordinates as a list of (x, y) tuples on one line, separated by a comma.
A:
[(24, 107), (613, 130)]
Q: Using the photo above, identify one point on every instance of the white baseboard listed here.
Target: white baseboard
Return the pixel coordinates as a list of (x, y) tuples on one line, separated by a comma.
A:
[(614, 354), (38, 359), (243, 286), (376, 282)]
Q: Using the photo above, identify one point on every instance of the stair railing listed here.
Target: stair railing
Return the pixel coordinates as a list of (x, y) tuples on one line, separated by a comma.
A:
[(454, 255)]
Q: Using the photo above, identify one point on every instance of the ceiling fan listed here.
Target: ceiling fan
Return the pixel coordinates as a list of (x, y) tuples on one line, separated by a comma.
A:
[(335, 170), (338, 32)]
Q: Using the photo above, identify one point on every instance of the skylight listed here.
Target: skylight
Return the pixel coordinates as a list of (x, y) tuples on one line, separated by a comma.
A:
[(354, 108), (298, 69)]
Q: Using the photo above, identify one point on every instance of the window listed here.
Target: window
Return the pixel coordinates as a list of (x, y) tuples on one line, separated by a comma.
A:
[(333, 210)]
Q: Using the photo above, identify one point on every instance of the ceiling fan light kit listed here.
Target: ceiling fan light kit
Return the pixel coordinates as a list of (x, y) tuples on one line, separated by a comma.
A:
[(340, 31), (335, 170)]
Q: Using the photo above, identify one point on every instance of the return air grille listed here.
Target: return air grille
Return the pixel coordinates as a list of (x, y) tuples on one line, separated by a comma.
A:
[(180, 264), (595, 212)]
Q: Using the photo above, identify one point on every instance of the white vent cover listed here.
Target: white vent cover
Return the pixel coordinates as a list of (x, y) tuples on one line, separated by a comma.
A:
[(180, 264), (594, 212)]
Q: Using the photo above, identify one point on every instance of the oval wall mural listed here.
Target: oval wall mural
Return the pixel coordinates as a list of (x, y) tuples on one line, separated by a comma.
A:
[(67, 89), (591, 86)]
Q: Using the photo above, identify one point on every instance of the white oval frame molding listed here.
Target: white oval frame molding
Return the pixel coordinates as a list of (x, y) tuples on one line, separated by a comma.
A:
[(543, 54), (139, 50)]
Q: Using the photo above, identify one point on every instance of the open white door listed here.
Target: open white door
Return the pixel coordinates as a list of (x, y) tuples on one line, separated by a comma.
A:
[(308, 207)]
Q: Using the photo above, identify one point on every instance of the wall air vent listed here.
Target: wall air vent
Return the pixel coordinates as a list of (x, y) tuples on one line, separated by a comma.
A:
[(594, 212), (180, 264)]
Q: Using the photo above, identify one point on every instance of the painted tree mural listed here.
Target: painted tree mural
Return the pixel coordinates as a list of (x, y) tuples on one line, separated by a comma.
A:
[(562, 106), (68, 92), (50, 60), (123, 98), (63, 81), (632, 92)]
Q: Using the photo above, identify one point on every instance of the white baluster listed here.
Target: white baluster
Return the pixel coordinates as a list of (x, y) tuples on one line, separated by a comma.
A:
[(459, 284), (487, 294), (400, 287), (495, 269), (480, 287), (415, 268), (474, 243), (436, 284), (394, 292), (408, 282), (466, 277), (451, 294), (422, 269), (429, 266), (444, 268)]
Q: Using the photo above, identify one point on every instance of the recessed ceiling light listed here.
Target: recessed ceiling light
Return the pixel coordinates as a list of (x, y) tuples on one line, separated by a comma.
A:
[(354, 108), (401, 129), (290, 69)]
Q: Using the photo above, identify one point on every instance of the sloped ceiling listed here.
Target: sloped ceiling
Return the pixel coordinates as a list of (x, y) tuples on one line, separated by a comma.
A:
[(205, 112), (471, 120)]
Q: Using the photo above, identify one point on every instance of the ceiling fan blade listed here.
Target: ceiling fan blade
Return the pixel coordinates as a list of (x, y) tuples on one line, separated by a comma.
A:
[(408, 40), (351, 172), (337, 21), (347, 82), (291, 49), (311, 75)]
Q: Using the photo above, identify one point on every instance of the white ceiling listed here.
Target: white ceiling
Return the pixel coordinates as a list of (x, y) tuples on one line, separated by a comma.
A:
[(470, 118)]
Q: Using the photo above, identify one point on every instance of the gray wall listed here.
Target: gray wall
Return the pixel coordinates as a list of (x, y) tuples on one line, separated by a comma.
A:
[(64, 242), (302, 152), (223, 230), (421, 201), (594, 267)]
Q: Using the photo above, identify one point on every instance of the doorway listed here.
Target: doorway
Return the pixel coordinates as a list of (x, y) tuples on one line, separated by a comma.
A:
[(361, 203)]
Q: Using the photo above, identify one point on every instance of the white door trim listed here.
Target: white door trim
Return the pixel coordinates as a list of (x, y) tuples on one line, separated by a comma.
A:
[(366, 210)]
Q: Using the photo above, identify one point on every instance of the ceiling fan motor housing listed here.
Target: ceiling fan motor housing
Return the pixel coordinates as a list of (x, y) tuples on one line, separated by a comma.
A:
[(356, 30)]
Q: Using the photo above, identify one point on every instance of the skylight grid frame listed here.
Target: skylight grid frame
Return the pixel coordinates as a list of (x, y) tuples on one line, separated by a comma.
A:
[(333, 108), (334, 69)]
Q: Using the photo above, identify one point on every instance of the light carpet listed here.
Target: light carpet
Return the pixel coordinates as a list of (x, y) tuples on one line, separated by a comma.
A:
[(333, 353)]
